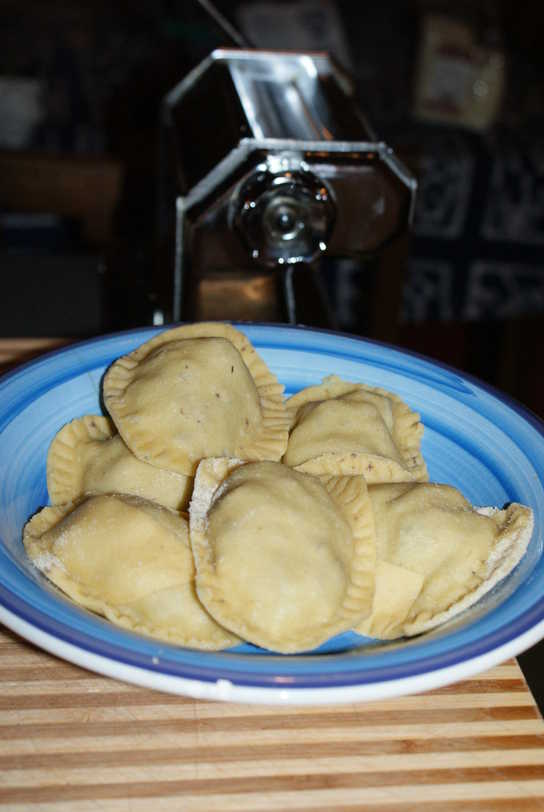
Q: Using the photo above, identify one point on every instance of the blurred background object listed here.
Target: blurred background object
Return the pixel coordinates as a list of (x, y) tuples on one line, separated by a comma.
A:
[(460, 70)]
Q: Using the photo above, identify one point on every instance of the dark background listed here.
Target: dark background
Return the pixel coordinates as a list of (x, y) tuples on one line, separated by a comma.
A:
[(80, 88)]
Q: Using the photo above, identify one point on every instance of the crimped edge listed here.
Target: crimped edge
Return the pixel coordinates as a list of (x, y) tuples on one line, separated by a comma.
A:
[(63, 471), (54, 570), (375, 469), (270, 443), (407, 433), (509, 548), (350, 494)]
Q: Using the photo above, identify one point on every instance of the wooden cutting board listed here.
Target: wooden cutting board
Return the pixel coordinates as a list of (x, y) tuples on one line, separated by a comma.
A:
[(71, 740)]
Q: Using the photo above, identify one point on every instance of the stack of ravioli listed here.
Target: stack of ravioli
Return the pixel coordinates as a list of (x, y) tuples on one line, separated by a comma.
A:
[(207, 509)]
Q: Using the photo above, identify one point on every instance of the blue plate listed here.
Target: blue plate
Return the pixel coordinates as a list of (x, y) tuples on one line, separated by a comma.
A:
[(475, 439)]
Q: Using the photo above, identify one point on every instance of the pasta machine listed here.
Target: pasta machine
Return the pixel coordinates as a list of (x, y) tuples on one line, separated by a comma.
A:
[(270, 174)]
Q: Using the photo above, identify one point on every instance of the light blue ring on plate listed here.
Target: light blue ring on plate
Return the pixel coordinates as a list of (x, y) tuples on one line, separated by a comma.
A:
[(488, 445)]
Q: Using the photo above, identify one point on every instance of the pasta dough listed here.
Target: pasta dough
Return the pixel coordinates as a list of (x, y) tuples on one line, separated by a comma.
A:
[(283, 559), (396, 591), (355, 429), (128, 560), (88, 456), (193, 392), (434, 538)]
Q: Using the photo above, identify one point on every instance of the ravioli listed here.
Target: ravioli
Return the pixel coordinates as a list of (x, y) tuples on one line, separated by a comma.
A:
[(196, 391), (355, 429), (306, 518), (433, 537), (88, 456), (284, 560), (128, 560)]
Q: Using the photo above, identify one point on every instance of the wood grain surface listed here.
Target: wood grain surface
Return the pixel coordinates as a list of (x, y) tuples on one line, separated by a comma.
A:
[(73, 741)]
